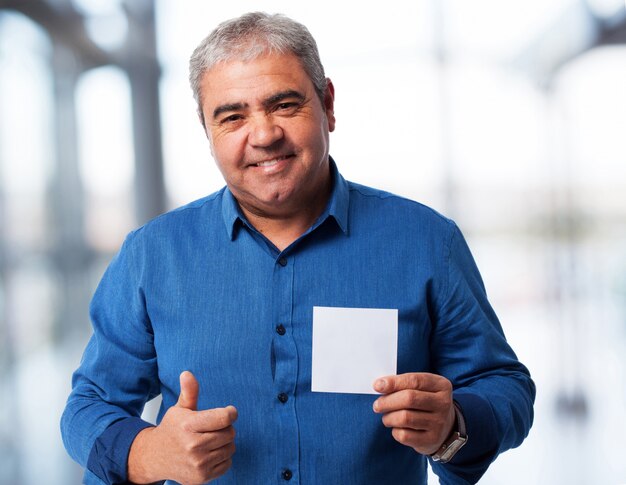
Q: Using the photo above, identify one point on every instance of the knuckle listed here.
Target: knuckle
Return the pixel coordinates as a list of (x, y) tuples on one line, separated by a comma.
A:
[(191, 446), (415, 381), (406, 417), (414, 400), (198, 464), (409, 419), (186, 424)]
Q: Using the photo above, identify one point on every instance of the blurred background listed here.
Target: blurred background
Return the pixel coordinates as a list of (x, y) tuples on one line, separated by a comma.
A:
[(509, 117)]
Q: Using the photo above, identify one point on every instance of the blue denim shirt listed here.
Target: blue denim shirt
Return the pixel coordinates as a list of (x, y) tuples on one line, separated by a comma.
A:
[(200, 289)]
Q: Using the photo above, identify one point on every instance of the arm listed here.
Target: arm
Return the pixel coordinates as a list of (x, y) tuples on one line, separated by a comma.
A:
[(482, 374), (118, 371), (493, 389), (101, 425)]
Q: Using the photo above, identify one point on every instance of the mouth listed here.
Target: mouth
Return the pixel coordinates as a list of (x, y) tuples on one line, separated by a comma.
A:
[(272, 162)]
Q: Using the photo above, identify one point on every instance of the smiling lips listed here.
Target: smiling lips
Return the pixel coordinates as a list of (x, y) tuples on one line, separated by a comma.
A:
[(272, 162)]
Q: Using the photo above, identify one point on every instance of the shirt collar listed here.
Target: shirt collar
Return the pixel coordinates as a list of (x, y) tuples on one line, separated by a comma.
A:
[(339, 198), (337, 205)]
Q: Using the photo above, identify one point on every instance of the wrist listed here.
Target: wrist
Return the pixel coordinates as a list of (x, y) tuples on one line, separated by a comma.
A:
[(142, 468), (455, 440)]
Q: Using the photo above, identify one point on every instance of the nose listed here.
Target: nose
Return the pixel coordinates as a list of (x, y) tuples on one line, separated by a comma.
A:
[(264, 131)]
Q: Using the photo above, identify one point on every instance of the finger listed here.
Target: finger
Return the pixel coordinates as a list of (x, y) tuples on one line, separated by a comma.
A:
[(409, 399), (214, 440), (189, 389), (222, 454), (213, 419), (409, 437), (221, 468), (209, 465), (422, 381), (415, 420), (216, 462)]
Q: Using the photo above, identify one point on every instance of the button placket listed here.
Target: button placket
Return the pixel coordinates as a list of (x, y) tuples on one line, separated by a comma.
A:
[(285, 370)]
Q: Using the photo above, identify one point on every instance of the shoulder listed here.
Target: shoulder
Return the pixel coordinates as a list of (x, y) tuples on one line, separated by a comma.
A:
[(194, 216), (379, 206)]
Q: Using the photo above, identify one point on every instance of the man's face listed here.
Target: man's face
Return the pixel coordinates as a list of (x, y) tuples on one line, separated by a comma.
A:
[(268, 132)]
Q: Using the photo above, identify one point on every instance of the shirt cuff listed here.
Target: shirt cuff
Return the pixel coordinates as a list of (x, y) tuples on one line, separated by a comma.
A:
[(108, 459), (482, 437)]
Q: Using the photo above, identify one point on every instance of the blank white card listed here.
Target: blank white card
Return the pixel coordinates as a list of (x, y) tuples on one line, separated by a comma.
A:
[(352, 347)]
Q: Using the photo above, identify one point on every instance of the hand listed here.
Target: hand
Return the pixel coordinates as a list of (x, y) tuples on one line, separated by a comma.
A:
[(188, 446), (419, 409)]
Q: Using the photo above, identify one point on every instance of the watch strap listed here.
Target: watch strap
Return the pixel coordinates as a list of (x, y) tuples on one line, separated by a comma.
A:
[(455, 441)]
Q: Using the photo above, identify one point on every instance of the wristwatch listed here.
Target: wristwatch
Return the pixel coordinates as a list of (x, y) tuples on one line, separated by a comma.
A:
[(455, 441)]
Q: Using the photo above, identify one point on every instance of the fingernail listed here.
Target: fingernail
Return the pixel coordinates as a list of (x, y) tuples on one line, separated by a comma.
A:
[(379, 385), (375, 406)]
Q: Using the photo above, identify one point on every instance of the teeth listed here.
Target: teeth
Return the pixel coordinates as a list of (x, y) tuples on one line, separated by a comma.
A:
[(268, 163)]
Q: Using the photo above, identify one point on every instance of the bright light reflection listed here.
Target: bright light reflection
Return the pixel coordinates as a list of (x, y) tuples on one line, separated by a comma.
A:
[(105, 21), (108, 31), (105, 132), (25, 131)]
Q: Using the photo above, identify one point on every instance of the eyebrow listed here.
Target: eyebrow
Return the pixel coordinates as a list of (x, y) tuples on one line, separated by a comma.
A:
[(228, 107), (278, 97)]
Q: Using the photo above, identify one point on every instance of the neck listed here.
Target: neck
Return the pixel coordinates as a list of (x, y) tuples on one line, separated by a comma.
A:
[(282, 229)]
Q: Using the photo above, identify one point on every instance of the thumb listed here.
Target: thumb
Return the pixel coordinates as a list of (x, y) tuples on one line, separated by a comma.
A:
[(189, 389)]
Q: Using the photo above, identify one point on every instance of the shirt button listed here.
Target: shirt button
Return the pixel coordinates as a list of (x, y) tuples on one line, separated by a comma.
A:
[(286, 474), (282, 262), (280, 330), (282, 397)]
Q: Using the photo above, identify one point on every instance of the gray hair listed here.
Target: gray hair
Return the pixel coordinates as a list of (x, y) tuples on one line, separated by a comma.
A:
[(250, 36)]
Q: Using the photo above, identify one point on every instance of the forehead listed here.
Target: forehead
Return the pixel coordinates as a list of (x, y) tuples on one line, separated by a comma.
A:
[(238, 80)]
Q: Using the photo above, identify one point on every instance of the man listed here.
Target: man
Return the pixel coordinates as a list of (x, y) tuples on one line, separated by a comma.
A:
[(211, 307)]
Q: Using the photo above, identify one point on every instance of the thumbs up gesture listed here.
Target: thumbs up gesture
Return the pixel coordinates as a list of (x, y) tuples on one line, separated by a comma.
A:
[(188, 446)]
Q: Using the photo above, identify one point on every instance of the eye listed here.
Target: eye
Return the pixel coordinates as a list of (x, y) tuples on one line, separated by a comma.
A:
[(231, 119), (287, 107)]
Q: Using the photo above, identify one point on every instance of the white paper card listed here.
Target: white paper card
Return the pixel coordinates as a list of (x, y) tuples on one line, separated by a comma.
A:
[(352, 347)]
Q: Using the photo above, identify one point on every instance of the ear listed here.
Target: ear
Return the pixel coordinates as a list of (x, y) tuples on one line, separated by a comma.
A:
[(329, 104)]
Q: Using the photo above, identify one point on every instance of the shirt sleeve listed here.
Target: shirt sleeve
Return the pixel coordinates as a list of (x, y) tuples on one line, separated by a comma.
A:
[(109, 454), (493, 389), (116, 377)]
